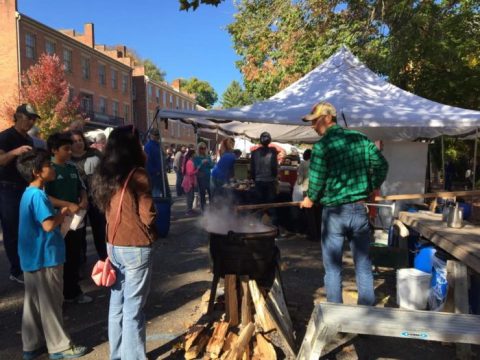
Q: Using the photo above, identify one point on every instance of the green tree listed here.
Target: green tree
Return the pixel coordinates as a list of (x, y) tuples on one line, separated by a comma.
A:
[(235, 96), (430, 48), (193, 4), (153, 71), (204, 92)]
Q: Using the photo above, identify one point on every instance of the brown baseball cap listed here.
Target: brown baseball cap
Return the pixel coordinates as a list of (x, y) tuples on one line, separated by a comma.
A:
[(28, 110), (320, 109)]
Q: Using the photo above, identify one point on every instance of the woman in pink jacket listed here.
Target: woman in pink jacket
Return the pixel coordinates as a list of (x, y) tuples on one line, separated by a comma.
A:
[(189, 179)]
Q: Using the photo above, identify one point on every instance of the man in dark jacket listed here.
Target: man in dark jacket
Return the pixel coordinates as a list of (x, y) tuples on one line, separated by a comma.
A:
[(264, 170), (14, 142)]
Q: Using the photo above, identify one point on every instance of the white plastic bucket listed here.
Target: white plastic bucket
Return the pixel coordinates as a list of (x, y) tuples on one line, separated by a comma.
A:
[(413, 287)]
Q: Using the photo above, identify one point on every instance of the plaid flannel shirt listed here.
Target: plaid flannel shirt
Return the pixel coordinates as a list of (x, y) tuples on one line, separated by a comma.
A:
[(345, 167)]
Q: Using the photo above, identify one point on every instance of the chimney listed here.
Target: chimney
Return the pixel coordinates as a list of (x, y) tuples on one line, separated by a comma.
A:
[(139, 70), (121, 51), (8, 8), (89, 35), (176, 84)]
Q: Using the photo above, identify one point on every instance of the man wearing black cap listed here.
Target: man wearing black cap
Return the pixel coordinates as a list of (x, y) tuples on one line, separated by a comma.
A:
[(264, 170), (14, 142)]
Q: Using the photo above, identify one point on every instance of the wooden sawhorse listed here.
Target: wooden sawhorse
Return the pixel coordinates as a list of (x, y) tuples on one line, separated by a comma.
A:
[(328, 319)]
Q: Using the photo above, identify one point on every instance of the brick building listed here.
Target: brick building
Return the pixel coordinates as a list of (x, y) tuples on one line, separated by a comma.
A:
[(100, 77), (148, 95)]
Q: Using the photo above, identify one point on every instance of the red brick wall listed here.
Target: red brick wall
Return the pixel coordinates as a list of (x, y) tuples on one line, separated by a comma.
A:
[(146, 106), (9, 61), (8, 50), (139, 103)]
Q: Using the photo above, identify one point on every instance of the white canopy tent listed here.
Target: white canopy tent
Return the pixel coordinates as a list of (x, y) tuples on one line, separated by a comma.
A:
[(364, 101)]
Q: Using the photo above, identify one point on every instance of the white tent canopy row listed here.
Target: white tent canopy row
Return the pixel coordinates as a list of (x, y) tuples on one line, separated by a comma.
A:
[(364, 101)]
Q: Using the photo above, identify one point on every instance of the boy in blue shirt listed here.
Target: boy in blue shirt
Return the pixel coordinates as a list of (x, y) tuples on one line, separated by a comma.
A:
[(68, 190), (41, 251)]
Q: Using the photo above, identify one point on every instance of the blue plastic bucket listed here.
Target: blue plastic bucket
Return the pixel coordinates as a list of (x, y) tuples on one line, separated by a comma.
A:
[(466, 210), (424, 259), (163, 207)]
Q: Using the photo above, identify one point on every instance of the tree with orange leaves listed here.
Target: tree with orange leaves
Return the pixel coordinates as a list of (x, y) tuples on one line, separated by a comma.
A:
[(45, 86)]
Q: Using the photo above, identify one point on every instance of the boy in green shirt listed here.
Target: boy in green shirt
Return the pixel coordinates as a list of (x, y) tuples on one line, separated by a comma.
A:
[(67, 190)]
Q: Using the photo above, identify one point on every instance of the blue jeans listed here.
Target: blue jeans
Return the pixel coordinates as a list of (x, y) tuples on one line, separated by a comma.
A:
[(126, 319), (178, 183), (347, 221), (10, 196)]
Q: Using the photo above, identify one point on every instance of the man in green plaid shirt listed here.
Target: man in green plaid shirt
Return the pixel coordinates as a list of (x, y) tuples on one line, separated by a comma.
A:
[(345, 168)]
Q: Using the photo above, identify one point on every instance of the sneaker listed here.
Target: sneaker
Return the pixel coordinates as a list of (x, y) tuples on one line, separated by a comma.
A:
[(17, 278), (31, 355), (72, 353), (80, 299)]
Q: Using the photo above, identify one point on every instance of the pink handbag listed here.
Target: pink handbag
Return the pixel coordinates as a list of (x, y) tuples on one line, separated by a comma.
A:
[(103, 273)]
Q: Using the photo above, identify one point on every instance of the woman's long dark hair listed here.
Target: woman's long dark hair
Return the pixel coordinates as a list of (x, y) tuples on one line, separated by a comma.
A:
[(123, 153)]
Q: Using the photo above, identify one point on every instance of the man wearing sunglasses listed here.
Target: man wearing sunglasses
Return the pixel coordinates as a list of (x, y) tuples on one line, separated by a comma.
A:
[(345, 168), (14, 142)]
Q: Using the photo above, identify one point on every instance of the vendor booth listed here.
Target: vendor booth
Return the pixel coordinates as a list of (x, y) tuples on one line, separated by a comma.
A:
[(364, 101)]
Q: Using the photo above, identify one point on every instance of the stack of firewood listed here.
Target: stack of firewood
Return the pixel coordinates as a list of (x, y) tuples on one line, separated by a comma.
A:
[(255, 324)]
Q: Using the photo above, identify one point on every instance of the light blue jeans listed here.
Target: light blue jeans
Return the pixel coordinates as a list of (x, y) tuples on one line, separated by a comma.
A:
[(348, 221), (126, 319)]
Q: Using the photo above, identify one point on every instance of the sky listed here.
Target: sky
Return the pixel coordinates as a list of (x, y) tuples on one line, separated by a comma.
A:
[(184, 44)]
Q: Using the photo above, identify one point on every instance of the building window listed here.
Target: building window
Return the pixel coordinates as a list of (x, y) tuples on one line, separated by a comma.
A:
[(85, 68), (114, 79), (172, 129), (87, 103), (30, 46), (178, 130), (177, 101), (102, 74), (67, 60), (171, 101), (157, 93), (115, 108), (70, 94), (149, 90), (102, 105), (50, 47), (124, 83), (126, 112), (164, 99)]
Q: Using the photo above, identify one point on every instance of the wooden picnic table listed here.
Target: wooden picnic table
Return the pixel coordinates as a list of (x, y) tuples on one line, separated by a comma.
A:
[(463, 244)]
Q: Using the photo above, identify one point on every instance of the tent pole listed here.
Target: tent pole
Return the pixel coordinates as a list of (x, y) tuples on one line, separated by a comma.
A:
[(443, 161), (216, 142), (475, 159)]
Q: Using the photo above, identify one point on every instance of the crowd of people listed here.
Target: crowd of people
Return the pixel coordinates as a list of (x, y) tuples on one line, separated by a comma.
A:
[(112, 185)]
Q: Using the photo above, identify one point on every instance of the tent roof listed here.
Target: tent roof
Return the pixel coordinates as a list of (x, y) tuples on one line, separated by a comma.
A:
[(363, 99)]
